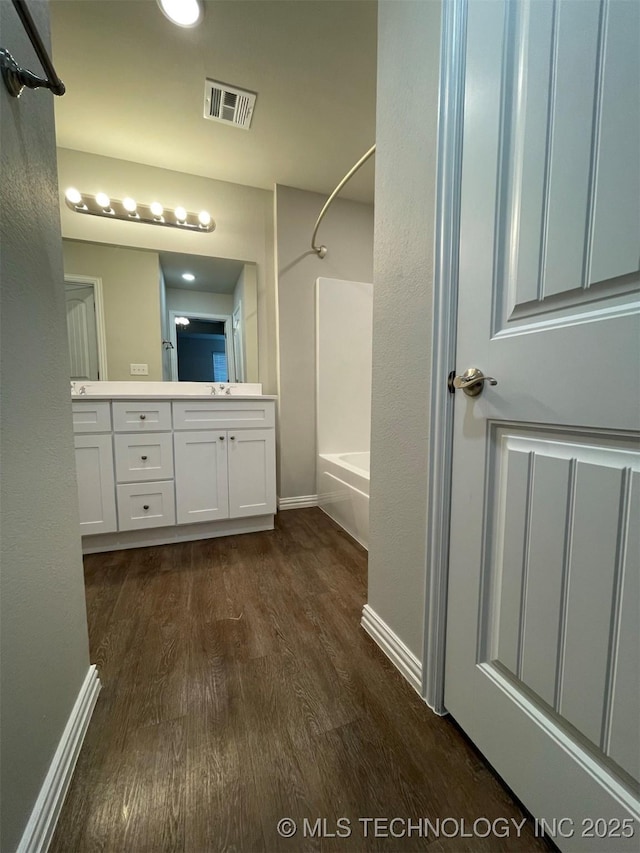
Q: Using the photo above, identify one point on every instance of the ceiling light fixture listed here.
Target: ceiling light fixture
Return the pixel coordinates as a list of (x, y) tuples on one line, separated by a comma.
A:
[(183, 13), (188, 276), (129, 210), (73, 196)]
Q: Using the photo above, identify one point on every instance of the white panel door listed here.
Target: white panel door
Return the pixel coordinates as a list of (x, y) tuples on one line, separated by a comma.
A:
[(543, 613), (201, 476), (81, 331), (96, 493), (252, 472)]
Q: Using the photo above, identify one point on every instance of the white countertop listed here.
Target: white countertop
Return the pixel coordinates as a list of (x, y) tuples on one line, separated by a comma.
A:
[(221, 398), (168, 391)]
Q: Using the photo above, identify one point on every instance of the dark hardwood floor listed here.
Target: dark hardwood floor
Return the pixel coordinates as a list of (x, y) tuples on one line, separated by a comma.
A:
[(239, 689)]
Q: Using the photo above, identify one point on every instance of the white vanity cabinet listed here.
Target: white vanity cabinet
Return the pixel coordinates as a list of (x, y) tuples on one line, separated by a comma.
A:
[(94, 467), (143, 458), (161, 471), (225, 459), (224, 474)]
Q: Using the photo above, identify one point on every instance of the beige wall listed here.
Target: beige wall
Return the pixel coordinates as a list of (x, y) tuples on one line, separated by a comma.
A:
[(195, 301), (408, 49), (347, 230), (243, 215), (43, 630), (131, 292)]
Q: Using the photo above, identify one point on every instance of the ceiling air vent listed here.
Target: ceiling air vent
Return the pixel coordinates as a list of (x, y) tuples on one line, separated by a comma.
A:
[(228, 104)]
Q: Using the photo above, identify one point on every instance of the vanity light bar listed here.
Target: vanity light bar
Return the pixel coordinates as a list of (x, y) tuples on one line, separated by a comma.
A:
[(128, 210)]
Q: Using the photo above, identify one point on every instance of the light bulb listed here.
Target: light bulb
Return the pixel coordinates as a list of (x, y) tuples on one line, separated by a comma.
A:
[(73, 196), (184, 13), (204, 218), (181, 214), (156, 208), (129, 205), (188, 276), (103, 200)]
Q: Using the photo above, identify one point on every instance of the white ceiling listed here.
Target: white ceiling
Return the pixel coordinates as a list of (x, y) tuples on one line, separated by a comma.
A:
[(135, 87), (212, 275)]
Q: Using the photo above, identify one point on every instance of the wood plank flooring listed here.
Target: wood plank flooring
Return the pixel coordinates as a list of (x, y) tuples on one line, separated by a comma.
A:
[(239, 689)]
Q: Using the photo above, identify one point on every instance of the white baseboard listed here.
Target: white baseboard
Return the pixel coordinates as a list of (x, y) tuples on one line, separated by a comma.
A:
[(298, 503), (393, 647), (46, 811)]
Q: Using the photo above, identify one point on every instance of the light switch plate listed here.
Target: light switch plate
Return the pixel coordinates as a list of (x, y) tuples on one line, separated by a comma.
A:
[(139, 370)]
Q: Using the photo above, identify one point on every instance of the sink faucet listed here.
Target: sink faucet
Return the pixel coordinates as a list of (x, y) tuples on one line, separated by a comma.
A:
[(221, 389)]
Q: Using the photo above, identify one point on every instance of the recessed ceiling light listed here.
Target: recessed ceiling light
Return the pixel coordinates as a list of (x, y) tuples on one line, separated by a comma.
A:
[(188, 276), (184, 13)]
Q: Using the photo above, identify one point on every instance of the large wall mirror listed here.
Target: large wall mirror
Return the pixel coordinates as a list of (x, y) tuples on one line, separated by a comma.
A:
[(141, 314)]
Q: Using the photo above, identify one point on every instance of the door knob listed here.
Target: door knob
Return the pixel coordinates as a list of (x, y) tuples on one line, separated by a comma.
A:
[(472, 381)]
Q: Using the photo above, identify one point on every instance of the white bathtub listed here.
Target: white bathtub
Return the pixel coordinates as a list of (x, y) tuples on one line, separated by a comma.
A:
[(343, 491)]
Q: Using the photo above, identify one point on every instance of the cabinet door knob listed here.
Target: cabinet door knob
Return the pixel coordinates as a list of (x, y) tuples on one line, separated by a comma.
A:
[(144, 458), (143, 417), (221, 438), (146, 506), (232, 437)]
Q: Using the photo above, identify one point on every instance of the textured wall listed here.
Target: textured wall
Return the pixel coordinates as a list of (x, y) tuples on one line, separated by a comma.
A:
[(43, 632), (347, 230), (243, 215), (408, 54), (131, 294)]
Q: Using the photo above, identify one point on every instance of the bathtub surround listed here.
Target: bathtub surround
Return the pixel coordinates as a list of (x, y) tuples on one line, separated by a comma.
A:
[(343, 401), (408, 46), (343, 365), (45, 652), (348, 232)]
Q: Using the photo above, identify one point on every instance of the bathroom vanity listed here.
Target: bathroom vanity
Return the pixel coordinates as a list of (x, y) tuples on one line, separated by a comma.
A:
[(173, 464)]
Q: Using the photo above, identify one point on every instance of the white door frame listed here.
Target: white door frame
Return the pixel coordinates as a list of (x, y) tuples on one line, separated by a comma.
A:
[(199, 315), (445, 314), (101, 329)]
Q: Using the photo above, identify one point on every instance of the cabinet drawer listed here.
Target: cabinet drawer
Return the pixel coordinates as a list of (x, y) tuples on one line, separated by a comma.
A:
[(91, 416), (220, 414), (141, 415), (142, 505), (143, 457)]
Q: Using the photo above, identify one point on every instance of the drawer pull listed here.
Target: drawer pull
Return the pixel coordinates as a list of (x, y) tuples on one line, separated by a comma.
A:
[(145, 507), (143, 417), (144, 458)]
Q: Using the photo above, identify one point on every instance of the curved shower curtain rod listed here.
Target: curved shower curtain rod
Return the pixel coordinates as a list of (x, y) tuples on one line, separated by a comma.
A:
[(321, 251)]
